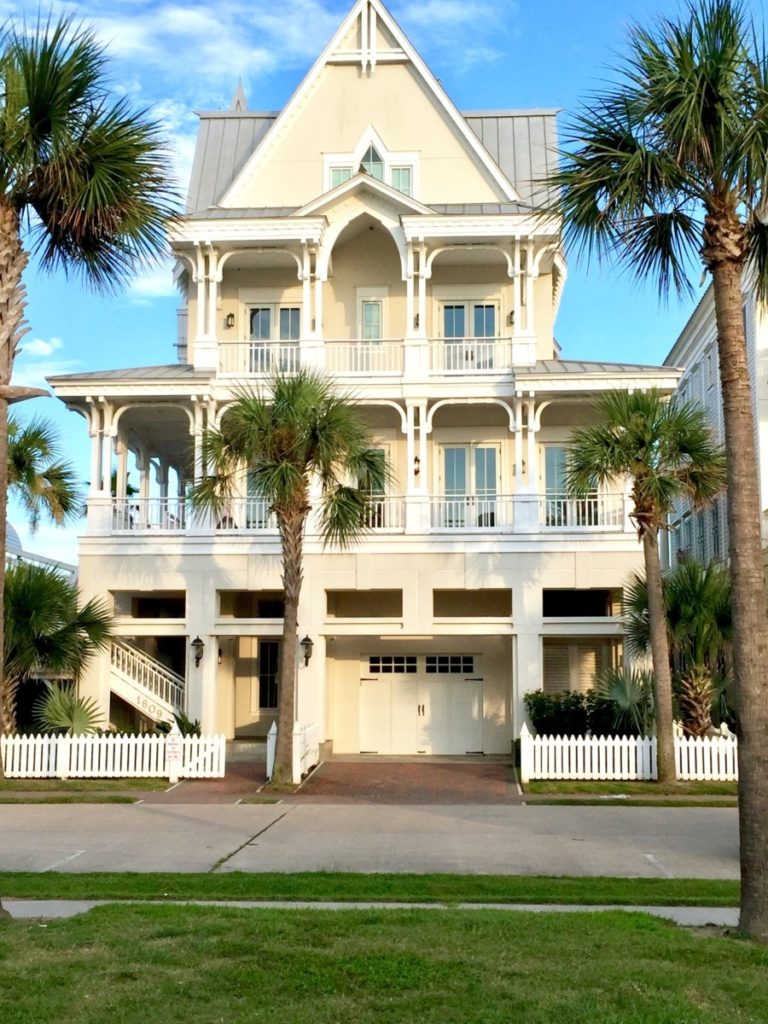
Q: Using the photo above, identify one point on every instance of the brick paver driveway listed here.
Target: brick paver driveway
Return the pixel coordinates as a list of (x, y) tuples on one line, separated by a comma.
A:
[(411, 781)]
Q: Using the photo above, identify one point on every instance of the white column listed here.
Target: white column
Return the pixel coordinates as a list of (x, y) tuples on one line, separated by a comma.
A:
[(143, 462), (318, 305), (122, 468), (306, 291), (94, 432), (213, 293), (529, 674), (423, 485), (516, 304), (198, 440), (161, 475), (518, 444), (199, 279), (422, 328), (529, 279), (410, 447), (533, 462), (409, 290), (106, 450)]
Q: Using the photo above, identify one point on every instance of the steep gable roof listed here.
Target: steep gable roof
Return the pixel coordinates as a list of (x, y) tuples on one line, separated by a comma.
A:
[(371, 13)]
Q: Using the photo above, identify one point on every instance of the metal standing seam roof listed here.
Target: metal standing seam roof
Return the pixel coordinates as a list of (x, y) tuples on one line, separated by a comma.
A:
[(522, 142), (171, 371), (557, 366)]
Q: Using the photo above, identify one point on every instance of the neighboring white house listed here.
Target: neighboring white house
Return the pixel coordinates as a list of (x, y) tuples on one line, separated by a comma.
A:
[(704, 535), (370, 229)]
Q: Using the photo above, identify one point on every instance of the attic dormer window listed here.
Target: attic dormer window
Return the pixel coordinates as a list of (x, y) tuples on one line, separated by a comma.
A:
[(373, 164)]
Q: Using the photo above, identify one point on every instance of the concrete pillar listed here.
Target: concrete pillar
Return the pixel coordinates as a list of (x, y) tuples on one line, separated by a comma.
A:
[(533, 462), (410, 447), (421, 331), (409, 291), (121, 487), (106, 450), (199, 279), (213, 294), (516, 295), (422, 484)]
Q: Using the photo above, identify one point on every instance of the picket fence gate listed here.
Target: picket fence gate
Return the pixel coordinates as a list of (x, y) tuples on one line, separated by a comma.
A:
[(697, 759), (114, 756)]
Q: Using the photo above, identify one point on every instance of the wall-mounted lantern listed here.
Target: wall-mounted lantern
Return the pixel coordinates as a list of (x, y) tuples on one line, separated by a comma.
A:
[(417, 466), (198, 647), (229, 321), (306, 645)]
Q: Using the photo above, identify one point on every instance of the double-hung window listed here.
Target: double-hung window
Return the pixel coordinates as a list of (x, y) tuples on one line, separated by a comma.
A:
[(402, 180), (339, 175)]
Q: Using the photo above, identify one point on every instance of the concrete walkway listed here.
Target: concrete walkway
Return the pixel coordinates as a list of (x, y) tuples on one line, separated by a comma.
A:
[(692, 917), (685, 842)]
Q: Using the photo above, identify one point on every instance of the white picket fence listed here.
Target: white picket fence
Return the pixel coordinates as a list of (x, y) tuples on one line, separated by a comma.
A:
[(697, 759), (114, 756), (306, 750)]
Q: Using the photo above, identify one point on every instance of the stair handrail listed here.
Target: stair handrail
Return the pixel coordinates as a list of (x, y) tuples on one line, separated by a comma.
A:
[(146, 671)]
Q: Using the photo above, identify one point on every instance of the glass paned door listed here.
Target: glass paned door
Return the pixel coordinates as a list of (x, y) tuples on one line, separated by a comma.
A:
[(372, 319), (471, 485), (290, 323), (485, 485), (484, 326), (454, 331), (261, 333)]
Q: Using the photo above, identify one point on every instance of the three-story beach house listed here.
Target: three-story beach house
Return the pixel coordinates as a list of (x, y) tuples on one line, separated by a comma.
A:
[(371, 230)]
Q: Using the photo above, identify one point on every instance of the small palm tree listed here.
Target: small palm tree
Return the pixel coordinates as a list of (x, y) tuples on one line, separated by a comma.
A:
[(667, 451), (664, 169), (37, 475), (697, 602), (300, 430), (47, 632), (62, 711), (83, 185)]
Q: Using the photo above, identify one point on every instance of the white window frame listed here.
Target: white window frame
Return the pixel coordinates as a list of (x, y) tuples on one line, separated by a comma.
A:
[(377, 293), (274, 320), (390, 159)]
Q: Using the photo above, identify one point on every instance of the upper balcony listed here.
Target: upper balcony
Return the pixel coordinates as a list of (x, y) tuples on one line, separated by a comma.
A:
[(451, 357)]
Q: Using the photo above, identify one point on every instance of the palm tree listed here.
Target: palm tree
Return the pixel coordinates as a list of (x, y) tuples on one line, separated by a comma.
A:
[(667, 451), (47, 632), (83, 184), (666, 166), (697, 602), (37, 475), (299, 431)]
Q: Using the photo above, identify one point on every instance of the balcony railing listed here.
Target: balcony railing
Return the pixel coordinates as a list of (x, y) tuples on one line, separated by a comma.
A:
[(470, 355), (594, 512), (469, 512), (258, 358), (353, 357), (523, 513), (385, 513), (136, 515)]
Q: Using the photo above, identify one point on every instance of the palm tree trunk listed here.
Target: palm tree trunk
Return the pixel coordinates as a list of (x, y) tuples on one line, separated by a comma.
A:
[(13, 260), (662, 676), (750, 622), (292, 537)]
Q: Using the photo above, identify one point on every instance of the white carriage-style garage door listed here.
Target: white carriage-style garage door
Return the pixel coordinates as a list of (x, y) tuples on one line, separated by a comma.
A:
[(421, 704)]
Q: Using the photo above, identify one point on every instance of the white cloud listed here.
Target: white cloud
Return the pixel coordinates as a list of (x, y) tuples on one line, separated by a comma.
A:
[(440, 13), (33, 375), (156, 282), (40, 347)]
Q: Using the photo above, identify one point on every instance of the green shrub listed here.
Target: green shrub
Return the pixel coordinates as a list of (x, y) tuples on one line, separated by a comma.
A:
[(557, 714)]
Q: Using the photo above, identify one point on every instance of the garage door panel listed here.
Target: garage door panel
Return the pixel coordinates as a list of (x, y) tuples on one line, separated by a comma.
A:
[(467, 707), (405, 699), (375, 716)]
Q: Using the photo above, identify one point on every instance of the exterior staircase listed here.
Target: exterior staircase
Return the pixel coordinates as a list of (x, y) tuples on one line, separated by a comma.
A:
[(145, 683)]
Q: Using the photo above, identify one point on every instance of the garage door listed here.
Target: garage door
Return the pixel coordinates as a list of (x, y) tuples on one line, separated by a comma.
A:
[(421, 704)]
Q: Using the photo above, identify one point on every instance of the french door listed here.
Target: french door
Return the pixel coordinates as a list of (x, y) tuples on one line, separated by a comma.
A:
[(470, 485), (466, 326)]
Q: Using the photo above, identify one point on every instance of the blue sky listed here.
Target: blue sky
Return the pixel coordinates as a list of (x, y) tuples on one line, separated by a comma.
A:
[(175, 58)]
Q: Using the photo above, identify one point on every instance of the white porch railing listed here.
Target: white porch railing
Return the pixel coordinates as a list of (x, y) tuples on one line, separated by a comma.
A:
[(385, 513), (470, 355), (113, 756), (246, 515), (702, 759), (258, 358), (354, 357), (595, 512), (468, 512), (148, 673), (132, 515)]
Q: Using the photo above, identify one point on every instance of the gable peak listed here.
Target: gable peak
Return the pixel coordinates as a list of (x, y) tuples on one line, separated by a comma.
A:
[(239, 101)]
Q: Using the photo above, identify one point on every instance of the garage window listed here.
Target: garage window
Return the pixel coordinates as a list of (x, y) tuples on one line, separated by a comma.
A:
[(392, 664), (450, 664)]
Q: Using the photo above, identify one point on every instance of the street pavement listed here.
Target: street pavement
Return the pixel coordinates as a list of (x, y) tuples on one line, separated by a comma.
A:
[(668, 842)]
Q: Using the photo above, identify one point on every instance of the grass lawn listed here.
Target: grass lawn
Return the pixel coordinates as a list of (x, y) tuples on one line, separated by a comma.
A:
[(634, 801), (647, 789), (320, 885), (173, 965), (80, 785), (63, 798)]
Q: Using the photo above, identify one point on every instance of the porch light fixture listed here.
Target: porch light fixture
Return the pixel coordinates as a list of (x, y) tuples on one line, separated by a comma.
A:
[(229, 320), (198, 646), (511, 317), (306, 645), (416, 321), (416, 466), (221, 656)]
